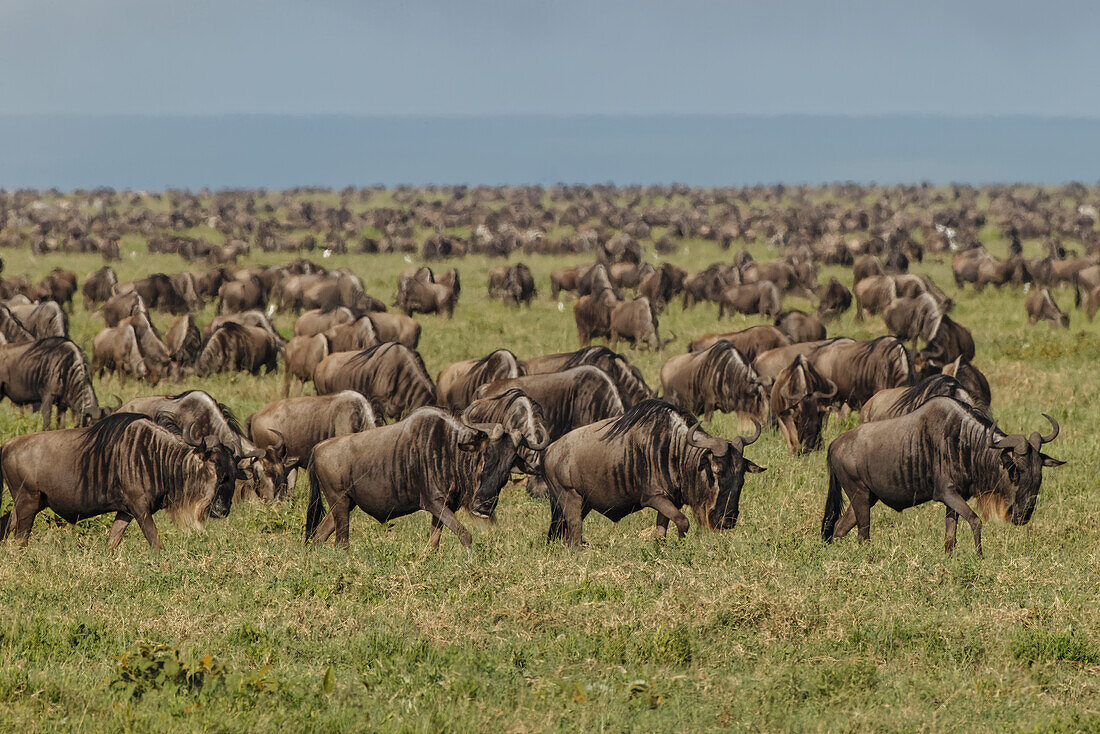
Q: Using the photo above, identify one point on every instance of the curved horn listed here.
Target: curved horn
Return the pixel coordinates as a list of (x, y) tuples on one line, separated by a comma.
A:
[(741, 442), (118, 403), (540, 443), (716, 446), (827, 395), (189, 436), (1015, 442), (1054, 430), (282, 441)]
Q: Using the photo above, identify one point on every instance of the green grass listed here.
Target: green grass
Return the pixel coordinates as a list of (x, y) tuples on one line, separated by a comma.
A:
[(760, 628)]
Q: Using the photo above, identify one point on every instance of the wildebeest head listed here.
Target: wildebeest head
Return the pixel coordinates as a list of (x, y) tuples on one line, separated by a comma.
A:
[(266, 468), (722, 469), (802, 405), (93, 411), (1022, 463), (211, 491)]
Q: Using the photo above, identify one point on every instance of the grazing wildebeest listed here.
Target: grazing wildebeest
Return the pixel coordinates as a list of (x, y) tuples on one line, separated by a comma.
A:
[(514, 284), (873, 294), (98, 286), (867, 266), (390, 375), (753, 298), (173, 293), (301, 357), (457, 382), (255, 319), (662, 284), (317, 321), (800, 401), (594, 280), (199, 412), (50, 373), (42, 319), (709, 284), (566, 279), (910, 319), (395, 327), (860, 369), (184, 341), (719, 378), (352, 337), (944, 451), (241, 294), (592, 314), (440, 295), (750, 342), (295, 425), (1041, 307), (636, 323), (835, 300), (800, 326), (12, 329), (771, 362), (233, 347), (125, 464), (115, 349), (652, 456), (898, 401), (628, 379), (429, 461), (119, 306)]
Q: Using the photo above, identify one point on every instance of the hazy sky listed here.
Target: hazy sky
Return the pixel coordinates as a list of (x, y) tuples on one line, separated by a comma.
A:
[(446, 57)]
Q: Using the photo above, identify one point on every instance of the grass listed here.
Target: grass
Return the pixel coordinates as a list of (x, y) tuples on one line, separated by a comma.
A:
[(761, 628)]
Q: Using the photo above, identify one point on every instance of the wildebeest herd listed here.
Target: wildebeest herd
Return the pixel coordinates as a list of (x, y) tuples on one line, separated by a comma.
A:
[(583, 426)]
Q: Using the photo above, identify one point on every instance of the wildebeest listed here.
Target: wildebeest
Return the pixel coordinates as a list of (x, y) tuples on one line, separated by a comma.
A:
[(860, 369), (42, 319), (662, 284), (234, 347), (571, 398), (49, 373), (1041, 307), (197, 411), (718, 378), (173, 293), (253, 318), (352, 337), (317, 321), (415, 295), (241, 294), (910, 319), (950, 341), (390, 375), (800, 326), (457, 382), (799, 401), (636, 323), (592, 314), (59, 286), (835, 300), (12, 329), (121, 305), (753, 298), (944, 451), (301, 357), (125, 464), (115, 349), (709, 284), (898, 401), (652, 456), (395, 327), (873, 294), (429, 461), (98, 286), (750, 342), (184, 341), (513, 284), (628, 379), (295, 425), (566, 279)]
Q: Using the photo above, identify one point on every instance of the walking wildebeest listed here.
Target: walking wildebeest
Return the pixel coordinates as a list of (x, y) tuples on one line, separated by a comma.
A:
[(390, 375), (125, 464), (236, 348), (457, 382), (50, 373), (719, 378), (654, 455), (944, 451)]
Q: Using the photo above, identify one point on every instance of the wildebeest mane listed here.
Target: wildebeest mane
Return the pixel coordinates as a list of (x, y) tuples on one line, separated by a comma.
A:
[(227, 412), (935, 386), (97, 448), (643, 412)]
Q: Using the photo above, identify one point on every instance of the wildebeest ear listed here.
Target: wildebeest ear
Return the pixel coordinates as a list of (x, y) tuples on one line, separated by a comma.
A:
[(1051, 462), (752, 468)]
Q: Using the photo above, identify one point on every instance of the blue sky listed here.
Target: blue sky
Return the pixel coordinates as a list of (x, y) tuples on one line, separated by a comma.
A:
[(200, 57)]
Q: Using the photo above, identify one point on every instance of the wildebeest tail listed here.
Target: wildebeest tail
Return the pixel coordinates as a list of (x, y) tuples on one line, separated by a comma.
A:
[(557, 519), (5, 519), (1076, 290), (315, 511), (832, 507)]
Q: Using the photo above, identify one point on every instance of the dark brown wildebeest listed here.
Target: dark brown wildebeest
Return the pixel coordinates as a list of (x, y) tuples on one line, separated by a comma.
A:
[(429, 461), (873, 294), (184, 341), (652, 456), (236, 348), (592, 314), (516, 411), (50, 373), (750, 342), (594, 280), (950, 341), (662, 284), (566, 279), (867, 266), (301, 357), (295, 425), (12, 329), (974, 381), (340, 288), (395, 327), (120, 306), (635, 322), (173, 293), (42, 319), (800, 401), (910, 319), (197, 411), (59, 286), (835, 300), (514, 284), (353, 337), (995, 272), (1041, 307), (115, 349), (125, 464), (709, 284), (317, 321), (458, 382), (98, 286), (719, 378), (571, 398), (257, 319), (898, 401), (754, 298), (415, 295), (237, 295), (154, 352), (628, 379), (944, 451), (390, 375), (800, 326), (860, 369)]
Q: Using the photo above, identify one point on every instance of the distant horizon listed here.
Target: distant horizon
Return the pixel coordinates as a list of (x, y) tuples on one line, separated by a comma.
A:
[(278, 151)]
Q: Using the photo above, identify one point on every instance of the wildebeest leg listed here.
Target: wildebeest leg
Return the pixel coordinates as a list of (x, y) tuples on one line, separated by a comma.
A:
[(26, 506), (114, 538), (662, 526), (47, 408), (572, 506), (148, 528), (846, 523), (664, 506), (861, 506), (339, 511), (950, 524), (435, 532), (444, 515), (954, 501)]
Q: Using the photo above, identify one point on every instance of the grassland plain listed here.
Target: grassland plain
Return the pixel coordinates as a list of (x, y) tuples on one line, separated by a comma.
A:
[(762, 628)]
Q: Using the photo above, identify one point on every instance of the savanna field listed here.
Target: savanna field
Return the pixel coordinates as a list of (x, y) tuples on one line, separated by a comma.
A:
[(760, 628)]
